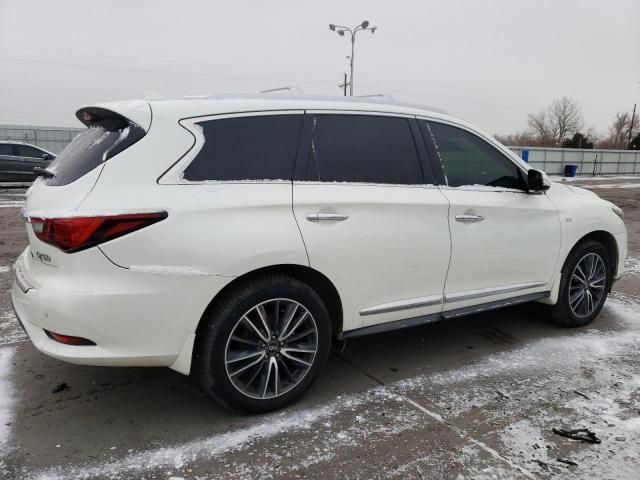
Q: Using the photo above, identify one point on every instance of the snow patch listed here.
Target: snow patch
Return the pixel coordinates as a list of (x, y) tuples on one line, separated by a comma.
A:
[(10, 330), (11, 204), (178, 456), (4, 269), (6, 403), (612, 185), (558, 178), (632, 265)]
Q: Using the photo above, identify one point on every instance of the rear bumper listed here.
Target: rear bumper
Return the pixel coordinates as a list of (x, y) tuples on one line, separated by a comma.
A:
[(135, 319)]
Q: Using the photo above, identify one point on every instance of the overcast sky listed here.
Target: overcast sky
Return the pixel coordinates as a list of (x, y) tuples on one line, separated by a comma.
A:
[(490, 62)]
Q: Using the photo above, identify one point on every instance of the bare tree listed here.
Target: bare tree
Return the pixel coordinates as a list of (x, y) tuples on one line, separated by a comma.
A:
[(552, 124), (618, 129), (541, 127), (566, 117)]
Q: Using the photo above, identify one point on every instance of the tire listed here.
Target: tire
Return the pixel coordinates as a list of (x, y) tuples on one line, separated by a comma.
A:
[(570, 311), (233, 336)]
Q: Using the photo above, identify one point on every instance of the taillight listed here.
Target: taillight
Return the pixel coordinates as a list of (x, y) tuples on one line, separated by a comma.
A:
[(72, 234), (68, 339)]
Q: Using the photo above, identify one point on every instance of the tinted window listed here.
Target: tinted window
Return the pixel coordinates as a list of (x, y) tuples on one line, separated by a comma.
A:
[(28, 151), (5, 149), (102, 140), (360, 148), (469, 160), (247, 148)]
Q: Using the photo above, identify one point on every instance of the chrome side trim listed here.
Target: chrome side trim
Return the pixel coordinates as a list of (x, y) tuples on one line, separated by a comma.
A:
[(403, 305), (487, 292)]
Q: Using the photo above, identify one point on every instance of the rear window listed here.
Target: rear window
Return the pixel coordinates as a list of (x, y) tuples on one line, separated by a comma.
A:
[(247, 148), (102, 140)]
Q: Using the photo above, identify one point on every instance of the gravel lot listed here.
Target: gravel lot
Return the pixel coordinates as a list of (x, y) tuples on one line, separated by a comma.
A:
[(473, 398)]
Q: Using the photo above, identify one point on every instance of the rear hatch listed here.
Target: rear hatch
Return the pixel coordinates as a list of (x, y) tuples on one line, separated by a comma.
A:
[(62, 187)]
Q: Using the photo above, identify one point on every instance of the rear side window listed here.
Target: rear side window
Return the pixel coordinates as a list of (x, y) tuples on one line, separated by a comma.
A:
[(247, 148), (364, 149), (5, 149), (28, 151), (103, 139), (469, 160)]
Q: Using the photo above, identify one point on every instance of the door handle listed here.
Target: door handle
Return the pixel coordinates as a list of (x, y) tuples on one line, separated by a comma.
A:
[(469, 218), (326, 217)]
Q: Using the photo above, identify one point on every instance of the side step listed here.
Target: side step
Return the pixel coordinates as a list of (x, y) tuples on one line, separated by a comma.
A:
[(435, 317)]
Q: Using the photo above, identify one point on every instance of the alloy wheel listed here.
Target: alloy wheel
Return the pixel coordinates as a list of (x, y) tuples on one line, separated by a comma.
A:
[(271, 348), (587, 285)]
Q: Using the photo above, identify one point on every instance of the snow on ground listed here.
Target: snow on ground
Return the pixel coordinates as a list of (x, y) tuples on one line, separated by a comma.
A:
[(559, 178), (10, 330), (11, 204), (632, 264), (267, 427), (4, 269), (6, 404), (513, 399), (612, 185), (524, 393)]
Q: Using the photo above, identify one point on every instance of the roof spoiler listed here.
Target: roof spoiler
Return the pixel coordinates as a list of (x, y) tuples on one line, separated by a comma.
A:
[(137, 112)]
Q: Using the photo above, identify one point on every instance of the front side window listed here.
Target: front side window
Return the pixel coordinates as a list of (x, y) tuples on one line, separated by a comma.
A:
[(363, 149), (28, 151), (247, 148), (469, 160)]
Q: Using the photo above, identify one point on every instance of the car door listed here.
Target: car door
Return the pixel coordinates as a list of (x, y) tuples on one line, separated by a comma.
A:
[(29, 158), (370, 217), (505, 241)]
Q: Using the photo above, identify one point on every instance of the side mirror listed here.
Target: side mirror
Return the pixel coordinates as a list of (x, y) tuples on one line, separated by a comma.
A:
[(46, 156), (536, 182)]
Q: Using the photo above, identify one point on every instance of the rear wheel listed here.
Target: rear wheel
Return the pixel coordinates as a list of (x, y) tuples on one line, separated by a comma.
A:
[(264, 344), (585, 283)]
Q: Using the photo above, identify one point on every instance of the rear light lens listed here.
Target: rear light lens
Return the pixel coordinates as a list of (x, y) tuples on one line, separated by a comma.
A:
[(72, 234), (68, 339)]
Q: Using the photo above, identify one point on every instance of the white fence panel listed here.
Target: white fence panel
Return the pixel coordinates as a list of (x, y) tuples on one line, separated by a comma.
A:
[(589, 162)]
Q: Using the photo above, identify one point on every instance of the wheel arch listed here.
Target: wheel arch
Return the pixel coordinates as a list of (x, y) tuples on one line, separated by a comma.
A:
[(315, 279), (607, 240)]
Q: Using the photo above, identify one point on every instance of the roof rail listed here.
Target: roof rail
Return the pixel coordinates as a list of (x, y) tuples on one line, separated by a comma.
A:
[(290, 88), (383, 96)]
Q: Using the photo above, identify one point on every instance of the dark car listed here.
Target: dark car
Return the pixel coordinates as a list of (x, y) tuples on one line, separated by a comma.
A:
[(18, 160)]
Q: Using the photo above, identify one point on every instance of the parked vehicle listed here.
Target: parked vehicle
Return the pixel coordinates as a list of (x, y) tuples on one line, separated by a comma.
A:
[(236, 237), (18, 161)]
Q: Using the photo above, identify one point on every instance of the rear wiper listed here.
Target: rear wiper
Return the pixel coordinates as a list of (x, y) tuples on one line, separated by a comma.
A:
[(43, 172)]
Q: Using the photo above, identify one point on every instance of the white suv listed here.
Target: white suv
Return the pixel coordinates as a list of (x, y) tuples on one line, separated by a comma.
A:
[(233, 237)]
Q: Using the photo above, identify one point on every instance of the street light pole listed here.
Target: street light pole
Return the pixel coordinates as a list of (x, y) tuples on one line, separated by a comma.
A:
[(340, 30)]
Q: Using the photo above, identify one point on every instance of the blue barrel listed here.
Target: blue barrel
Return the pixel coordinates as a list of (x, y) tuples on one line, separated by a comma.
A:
[(570, 170), (525, 155)]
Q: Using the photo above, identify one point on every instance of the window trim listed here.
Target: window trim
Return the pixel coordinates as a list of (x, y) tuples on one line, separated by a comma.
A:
[(424, 157), (16, 148), (174, 175), (437, 165)]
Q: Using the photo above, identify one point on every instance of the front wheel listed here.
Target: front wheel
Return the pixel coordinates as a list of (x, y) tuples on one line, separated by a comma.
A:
[(264, 344), (585, 282)]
